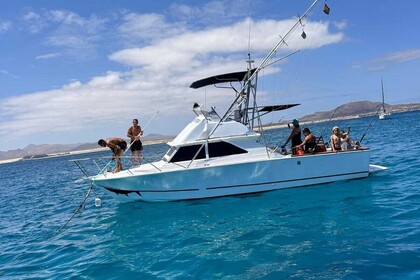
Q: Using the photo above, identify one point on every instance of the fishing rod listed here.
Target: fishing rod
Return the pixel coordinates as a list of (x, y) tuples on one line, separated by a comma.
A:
[(250, 76), (370, 123), (328, 123)]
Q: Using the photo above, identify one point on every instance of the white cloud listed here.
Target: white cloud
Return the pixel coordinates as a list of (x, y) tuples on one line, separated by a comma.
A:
[(387, 60), (7, 73), (147, 27), (213, 12), (159, 78), (48, 56), (36, 23), (5, 26), (400, 57), (190, 48), (72, 34), (341, 25)]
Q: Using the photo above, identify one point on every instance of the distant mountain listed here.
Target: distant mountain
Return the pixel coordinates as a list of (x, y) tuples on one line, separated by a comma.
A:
[(352, 109), (155, 137), (359, 108), (34, 150)]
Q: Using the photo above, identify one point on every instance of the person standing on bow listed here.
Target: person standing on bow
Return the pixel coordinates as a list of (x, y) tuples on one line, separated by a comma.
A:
[(117, 146), (134, 133), (295, 136)]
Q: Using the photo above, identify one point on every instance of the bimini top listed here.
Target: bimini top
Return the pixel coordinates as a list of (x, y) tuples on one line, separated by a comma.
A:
[(223, 78)]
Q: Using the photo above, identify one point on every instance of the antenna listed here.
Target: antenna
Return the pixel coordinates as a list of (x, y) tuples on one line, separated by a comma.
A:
[(249, 28)]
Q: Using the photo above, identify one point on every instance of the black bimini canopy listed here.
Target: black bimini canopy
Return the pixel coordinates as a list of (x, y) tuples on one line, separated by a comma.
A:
[(276, 107), (223, 78)]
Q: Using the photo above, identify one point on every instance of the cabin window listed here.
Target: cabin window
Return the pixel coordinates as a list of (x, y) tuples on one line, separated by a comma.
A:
[(220, 149), (188, 153), (217, 149)]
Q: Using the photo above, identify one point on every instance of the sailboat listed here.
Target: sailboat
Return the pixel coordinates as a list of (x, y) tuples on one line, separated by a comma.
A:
[(218, 155), (382, 113)]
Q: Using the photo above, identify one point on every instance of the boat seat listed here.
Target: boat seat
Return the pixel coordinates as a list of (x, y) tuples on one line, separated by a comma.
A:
[(320, 145)]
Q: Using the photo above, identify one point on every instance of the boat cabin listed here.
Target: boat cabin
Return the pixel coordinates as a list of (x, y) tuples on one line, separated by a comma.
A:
[(205, 150)]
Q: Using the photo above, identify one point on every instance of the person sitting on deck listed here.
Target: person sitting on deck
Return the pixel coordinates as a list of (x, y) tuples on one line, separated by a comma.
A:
[(309, 142), (346, 142), (335, 139)]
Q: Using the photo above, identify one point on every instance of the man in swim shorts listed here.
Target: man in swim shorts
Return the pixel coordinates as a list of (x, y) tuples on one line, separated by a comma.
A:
[(134, 133), (117, 146)]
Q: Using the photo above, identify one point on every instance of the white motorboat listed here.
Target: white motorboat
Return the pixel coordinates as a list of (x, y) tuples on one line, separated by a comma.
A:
[(383, 114), (222, 155)]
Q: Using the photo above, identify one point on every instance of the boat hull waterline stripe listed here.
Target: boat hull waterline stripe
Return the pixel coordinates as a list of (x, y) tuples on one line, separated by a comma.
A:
[(126, 192)]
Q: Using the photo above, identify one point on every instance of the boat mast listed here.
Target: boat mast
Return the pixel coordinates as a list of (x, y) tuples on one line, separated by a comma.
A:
[(252, 88), (243, 94), (383, 98)]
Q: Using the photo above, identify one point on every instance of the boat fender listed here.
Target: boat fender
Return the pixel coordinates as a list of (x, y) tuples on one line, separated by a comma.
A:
[(98, 202)]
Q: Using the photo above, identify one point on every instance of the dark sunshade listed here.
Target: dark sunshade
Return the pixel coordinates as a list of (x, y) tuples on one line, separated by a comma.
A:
[(277, 107), (223, 78)]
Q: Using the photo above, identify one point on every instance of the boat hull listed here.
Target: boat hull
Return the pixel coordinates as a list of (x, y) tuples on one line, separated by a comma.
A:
[(268, 174), (384, 116)]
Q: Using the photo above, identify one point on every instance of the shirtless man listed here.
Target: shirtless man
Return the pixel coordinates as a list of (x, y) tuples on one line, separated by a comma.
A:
[(134, 133), (335, 139), (117, 146), (309, 142)]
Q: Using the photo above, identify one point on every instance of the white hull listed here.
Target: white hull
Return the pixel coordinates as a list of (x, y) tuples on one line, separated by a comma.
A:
[(383, 116), (222, 155), (206, 179)]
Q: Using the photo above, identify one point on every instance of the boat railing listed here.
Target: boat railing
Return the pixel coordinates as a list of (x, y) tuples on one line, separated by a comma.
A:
[(94, 166)]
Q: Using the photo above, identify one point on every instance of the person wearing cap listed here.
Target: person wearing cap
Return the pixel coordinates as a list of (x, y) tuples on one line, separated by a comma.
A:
[(346, 142), (309, 142), (335, 139), (295, 136)]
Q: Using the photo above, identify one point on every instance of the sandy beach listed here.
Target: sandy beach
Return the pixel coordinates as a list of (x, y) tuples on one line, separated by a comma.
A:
[(100, 149)]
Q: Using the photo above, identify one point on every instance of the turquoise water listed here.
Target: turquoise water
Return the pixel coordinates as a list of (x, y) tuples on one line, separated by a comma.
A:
[(360, 229)]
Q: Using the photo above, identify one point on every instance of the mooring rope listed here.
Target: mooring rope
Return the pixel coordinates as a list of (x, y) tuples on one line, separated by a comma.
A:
[(74, 214)]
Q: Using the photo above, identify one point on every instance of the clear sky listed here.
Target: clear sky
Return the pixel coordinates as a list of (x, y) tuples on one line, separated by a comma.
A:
[(76, 71)]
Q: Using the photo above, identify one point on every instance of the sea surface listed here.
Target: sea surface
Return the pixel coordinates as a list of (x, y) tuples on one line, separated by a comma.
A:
[(360, 229)]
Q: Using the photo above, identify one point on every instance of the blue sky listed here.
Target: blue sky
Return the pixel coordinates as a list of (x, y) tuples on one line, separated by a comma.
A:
[(76, 71)]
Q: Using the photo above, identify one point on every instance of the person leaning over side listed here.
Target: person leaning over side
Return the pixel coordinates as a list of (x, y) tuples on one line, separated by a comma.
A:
[(134, 133), (117, 146), (309, 142), (335, 139), (295, 136)]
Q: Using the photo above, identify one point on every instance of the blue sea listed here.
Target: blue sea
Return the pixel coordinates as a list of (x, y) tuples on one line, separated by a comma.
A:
[(360, 229)]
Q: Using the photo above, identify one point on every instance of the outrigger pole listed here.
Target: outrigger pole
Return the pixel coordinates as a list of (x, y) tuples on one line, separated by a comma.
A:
[(242, 94)]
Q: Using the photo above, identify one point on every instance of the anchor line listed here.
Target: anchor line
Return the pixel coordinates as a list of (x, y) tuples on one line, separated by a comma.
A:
[(74, 214)]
